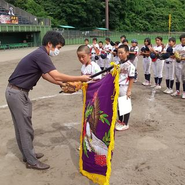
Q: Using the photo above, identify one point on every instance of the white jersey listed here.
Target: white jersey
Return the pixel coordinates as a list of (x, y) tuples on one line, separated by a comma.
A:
[(127, 70), (91, 69), (100, 61), (158, 48), (108, 48), (92, 48), (170, 59), (180, 49)]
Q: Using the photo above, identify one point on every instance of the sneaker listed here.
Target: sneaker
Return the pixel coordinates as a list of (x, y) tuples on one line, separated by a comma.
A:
[(176, 93), (144, 83), (153, 85), (166, 91), (135, 80), (183, 95), (158, 87), (170, 91), (121, 126)]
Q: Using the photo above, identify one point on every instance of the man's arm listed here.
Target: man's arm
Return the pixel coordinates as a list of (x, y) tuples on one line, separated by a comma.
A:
[(57, 76), (47, 77)]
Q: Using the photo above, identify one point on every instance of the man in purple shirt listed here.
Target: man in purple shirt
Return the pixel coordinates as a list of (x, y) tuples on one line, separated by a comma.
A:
[(23, 79)]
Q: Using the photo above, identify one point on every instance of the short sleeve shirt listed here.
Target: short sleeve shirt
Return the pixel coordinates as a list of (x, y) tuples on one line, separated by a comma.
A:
[(30, 69), (127, 70), (91, 69), (180, 49)]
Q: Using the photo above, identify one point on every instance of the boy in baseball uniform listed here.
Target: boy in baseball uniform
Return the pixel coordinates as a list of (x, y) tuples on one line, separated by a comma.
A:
[(180, 66), (169, 65), (157, 64), (145, 52)]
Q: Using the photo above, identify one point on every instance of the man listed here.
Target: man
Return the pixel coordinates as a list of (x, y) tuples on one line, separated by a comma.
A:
[(25, 76)]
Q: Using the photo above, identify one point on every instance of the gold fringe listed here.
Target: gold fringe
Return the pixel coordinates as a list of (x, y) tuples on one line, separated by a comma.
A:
[(100, 179)]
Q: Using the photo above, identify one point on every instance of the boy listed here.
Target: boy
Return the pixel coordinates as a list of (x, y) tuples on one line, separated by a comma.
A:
[(115, 52), (94, 49), (145, 52), (122, 39), (88, 67), (157, 64), (126, 79), (169, 66), (134, 49), (180, 66), (23, 79), (86, 42), (108, 50), (100, 60)]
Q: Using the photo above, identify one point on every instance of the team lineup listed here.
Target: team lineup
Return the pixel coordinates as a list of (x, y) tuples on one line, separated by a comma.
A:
[(156, 58)]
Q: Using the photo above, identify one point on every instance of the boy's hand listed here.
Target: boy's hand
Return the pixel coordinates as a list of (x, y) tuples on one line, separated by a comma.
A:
[(128, 93)]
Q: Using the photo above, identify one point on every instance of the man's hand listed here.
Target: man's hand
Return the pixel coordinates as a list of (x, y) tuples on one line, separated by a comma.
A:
[(85, 78)]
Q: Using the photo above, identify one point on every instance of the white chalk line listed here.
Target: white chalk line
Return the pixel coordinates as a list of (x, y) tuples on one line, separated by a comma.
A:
[(45, 97)]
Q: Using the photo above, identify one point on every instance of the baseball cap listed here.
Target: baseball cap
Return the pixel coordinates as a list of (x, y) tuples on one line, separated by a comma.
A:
[(134, 41)]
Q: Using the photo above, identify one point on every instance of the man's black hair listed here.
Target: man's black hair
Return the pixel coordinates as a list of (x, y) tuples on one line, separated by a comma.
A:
[(95, 39), (173, 39), (182, 36), (54, 38), (125, 47), (117, 42), (100, 42), (86, 40)]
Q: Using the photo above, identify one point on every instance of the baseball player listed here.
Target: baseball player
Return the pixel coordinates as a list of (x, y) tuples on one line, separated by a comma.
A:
[(115, 52), (126, 79), (108, 51), (157, 64), (100, 60), (122, 39), (169, 65), (94, 49), (88, 67), (145, 52), (134, 50), (180, 66), (86, 42)]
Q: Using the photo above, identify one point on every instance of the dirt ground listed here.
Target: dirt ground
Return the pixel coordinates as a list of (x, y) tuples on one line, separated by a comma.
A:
[(151, 152)]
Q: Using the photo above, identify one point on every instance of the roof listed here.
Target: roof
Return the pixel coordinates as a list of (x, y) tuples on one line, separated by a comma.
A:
[(66, 26), (103, 29)]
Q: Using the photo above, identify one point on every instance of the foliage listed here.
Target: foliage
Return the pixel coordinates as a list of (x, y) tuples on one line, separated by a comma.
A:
[(127, 15)]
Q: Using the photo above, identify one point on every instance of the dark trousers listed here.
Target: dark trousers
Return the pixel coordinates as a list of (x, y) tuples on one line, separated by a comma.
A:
[(124, 118)]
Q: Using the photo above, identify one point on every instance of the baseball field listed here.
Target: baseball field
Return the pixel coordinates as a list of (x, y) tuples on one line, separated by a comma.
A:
[(151, 152)]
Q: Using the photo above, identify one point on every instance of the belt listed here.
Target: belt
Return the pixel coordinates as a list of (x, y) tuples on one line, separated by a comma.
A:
[(167, 62), (18, 88)]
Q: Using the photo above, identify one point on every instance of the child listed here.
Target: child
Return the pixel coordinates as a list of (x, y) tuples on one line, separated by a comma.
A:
[(169, 66), (122, 39), (157, 64), (145, 52), (86, 42), (180, 66), (134, 49), (126, 79), (94, 49), (108, 50), (88, 67), (115, 52), (101, 56)]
